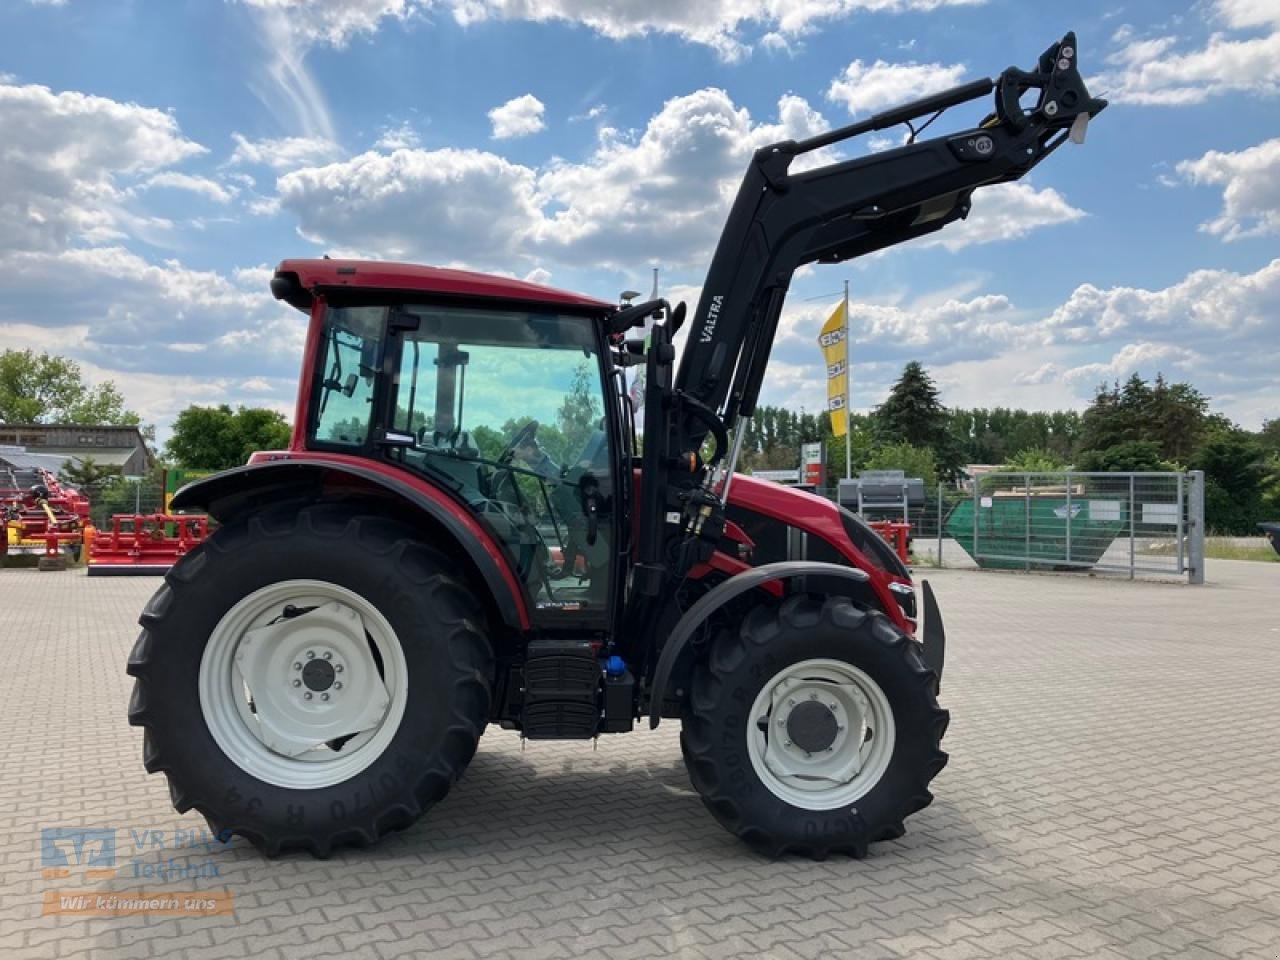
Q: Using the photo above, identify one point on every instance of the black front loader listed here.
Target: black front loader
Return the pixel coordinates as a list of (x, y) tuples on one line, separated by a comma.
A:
[(781, 221)]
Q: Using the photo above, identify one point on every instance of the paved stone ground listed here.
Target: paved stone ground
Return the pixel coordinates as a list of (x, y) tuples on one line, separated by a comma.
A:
[(1112, 792)]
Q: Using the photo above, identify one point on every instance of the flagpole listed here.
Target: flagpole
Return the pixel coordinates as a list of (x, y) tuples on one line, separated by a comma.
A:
[(848, 392)]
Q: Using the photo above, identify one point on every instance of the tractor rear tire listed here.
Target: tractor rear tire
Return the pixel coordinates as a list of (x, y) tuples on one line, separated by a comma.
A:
[(414, 635), (849, 669)]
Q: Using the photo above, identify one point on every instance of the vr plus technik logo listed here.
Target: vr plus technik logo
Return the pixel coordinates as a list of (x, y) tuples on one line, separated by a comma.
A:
[(151, 857), (91, 851)]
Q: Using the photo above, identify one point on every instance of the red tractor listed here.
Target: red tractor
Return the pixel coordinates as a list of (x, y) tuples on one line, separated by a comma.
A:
[(466, 530)]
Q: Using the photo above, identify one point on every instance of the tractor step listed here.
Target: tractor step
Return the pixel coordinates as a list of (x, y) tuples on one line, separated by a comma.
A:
[(562, 682)]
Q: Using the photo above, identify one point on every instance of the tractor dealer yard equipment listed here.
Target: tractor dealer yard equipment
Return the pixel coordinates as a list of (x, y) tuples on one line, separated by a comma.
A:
[(466, 530)]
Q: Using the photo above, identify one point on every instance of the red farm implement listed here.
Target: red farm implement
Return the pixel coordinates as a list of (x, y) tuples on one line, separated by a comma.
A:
[(144, 543), (41, 517), (896, 534)]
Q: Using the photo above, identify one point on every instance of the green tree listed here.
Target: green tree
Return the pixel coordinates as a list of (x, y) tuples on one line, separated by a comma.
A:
[(1124, 457), (1235, 471), (912, 414), (218, 438), (1034, 460), (1173, 416), (87, 474), (1271, 488), (43, 388), (1269, 435), (579, 415), (914, 461)]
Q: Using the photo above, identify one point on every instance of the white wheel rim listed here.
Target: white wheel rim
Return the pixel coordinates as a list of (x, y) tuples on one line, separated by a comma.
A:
[(301, 701), (855, 759)]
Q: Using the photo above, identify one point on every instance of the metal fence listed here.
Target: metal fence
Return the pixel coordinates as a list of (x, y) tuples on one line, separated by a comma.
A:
[(123, 496), (1135, 524)]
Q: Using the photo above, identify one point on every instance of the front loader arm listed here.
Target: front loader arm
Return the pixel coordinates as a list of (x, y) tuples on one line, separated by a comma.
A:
[(781, 221)]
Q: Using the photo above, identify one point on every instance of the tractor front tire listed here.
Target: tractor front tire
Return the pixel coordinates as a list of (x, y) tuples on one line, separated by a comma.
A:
[(813, 728), (240, 671)]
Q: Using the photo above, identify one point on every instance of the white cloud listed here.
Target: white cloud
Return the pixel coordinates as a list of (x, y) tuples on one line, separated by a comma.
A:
[(880, 142), (336, 22), (1044, 373), (518, 117), (730, 29), (1005, 211), (162, 331), (865, 89), (201, 186), (663, 197), (289, 29), (1207, 306), (656, 196), (66, 158), (1250, 181), (441, 206), (1143, 358), (400, 137), (1214, 328), (283, 153), (1249, 13), (593, 113), (1153, 72)]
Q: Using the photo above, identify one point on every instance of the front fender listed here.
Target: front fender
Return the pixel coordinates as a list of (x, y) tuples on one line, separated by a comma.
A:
[(231, 493), (717, 597)]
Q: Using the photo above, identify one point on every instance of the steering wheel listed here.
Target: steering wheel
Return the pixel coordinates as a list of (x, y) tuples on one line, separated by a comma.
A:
[(526, 434)]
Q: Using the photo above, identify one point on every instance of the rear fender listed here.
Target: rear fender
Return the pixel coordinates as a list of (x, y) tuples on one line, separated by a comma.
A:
[(232, 493)]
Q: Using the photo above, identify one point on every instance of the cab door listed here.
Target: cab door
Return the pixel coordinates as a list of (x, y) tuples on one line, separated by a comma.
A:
[(506, 409)]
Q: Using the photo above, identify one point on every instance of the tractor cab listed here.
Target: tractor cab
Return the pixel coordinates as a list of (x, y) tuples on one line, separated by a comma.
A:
[(504, 406)]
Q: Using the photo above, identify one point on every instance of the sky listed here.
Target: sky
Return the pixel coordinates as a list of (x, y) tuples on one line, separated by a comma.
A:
[(159, 157)]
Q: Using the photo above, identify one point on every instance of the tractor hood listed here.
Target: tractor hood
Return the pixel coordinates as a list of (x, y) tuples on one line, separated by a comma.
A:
[(788, 505)]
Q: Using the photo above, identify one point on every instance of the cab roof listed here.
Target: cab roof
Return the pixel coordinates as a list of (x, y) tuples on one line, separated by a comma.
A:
[(296, 281)]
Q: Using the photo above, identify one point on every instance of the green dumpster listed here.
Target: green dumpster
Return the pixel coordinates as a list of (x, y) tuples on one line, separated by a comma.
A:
[(1015, 531)]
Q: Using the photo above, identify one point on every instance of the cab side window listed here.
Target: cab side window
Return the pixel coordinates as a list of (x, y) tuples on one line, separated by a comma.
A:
[(352, 356)]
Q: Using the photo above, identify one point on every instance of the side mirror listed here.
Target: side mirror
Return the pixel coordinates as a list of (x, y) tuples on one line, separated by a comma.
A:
[(629, 317), (349, 388)]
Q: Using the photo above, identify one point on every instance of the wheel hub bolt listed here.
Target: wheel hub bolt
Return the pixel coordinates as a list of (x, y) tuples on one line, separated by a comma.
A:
[(307, 695), (328, 655), (297, 683), (337, 668), (311, 654), (324, 696), (297, 666), (338, 685)]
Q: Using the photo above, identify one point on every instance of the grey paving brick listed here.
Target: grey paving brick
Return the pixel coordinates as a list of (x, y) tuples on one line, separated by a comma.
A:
[(1111, 794)]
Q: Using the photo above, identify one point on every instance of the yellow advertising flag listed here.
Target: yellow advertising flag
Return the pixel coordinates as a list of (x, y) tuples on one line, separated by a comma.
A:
[(831, 340)]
